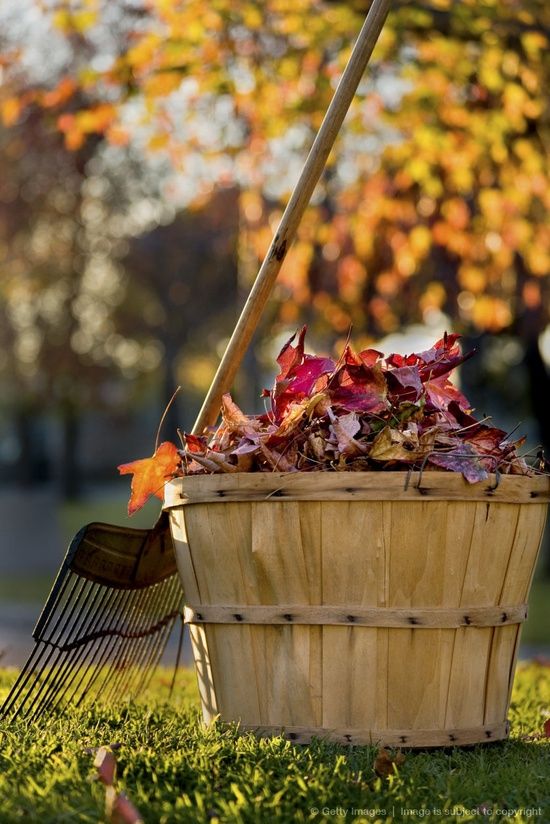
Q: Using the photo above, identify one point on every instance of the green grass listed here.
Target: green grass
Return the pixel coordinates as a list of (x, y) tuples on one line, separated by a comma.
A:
[(537, 627), (75, 514), (175, 770)]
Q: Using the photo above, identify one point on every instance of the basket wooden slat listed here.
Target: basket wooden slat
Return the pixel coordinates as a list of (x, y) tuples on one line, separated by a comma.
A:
[(389, 547)]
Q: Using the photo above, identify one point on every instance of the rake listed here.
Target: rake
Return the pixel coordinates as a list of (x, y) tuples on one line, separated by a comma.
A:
[(117, 596)]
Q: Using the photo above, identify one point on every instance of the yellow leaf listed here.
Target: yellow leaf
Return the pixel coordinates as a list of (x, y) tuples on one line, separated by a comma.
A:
[(158, 141), (97, 119), (84, 20), (117, 136), (162, 83), (11, 109), (420, 240), (491, 313), (472, 278)]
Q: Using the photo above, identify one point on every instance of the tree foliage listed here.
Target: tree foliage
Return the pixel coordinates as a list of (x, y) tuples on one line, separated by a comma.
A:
[(437, 195)]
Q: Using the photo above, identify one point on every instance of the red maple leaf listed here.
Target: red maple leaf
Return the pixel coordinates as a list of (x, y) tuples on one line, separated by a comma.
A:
[(361, 388), (442, 358), (404, 383), (441, 393), (150, 474), (370, 356), (298, 377), (291, 356)]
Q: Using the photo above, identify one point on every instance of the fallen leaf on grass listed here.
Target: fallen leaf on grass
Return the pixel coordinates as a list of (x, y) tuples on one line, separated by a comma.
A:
[(118, 807), (105, 764), (546, 728), (150, 474), (116, 745), (485, 808), (123, 811), (385, 763)]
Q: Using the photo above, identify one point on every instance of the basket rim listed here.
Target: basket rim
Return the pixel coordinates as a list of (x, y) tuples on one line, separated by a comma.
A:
[(377, 486)]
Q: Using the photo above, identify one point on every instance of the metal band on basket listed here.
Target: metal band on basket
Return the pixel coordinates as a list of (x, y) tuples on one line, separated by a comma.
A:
[(410, 618), (391, 738)]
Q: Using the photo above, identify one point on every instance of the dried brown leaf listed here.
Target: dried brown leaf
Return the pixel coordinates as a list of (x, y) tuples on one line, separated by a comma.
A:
[(123, 811), (345, 427), (394, 445), (385, 763), (105, 763)]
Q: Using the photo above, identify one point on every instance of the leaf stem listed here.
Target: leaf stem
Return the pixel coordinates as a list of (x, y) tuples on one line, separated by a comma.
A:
[(168, 405)]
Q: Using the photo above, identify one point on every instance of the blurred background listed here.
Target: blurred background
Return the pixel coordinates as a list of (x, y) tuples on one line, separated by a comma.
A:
[(147, 149)]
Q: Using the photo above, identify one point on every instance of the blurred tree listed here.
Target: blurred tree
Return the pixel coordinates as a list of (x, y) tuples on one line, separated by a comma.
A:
[(41, 274), (185, 275), (87, 317), (59, 290)]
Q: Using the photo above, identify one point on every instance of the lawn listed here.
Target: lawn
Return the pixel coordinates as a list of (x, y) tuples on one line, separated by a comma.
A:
[(174, 770)]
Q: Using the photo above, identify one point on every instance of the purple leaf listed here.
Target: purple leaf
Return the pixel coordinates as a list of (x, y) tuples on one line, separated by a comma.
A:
[(462, 459), (405, 383)]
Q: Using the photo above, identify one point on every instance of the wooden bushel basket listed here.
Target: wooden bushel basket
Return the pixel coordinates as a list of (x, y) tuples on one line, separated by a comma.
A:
[(357, 607)]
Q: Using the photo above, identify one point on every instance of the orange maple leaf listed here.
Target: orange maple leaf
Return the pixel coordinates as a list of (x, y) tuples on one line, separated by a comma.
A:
[(150, 474)]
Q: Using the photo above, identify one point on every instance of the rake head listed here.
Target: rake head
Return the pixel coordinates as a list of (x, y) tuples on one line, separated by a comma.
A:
[(106, 622)]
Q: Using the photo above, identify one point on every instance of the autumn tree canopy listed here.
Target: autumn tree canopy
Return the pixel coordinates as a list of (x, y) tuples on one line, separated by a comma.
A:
[(436, 196), (438, 193)]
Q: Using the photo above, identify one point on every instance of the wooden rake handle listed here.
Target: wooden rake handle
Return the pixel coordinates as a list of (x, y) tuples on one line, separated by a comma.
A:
[(286, 231)]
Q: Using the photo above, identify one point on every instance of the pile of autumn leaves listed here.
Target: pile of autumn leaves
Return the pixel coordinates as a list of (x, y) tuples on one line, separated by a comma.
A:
[(362, 413), (365, 412)]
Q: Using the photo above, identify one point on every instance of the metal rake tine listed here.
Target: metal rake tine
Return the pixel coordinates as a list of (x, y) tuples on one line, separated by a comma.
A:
[(85, 631), (110, 649), (45, 618), (21, 681), (69, 649), (127, 642), (102, 655), (147, 670), (178, 654), (153, 635), (50, 648), (116, 597), (176, 604), (155, 655), (130, 643), (153, 649), (72, 607), (65, 668), (88, 626), (120, 642)]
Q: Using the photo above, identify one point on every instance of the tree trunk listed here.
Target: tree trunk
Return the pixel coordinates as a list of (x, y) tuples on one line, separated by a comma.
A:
[(539, 391)]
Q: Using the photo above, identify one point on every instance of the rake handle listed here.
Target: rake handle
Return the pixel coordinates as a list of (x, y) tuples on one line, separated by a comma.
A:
[(299, 200)]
